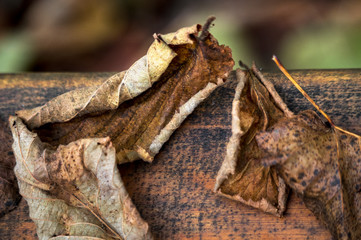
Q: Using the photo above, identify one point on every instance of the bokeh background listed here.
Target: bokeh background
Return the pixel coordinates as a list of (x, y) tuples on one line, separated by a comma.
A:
[(109, 35)]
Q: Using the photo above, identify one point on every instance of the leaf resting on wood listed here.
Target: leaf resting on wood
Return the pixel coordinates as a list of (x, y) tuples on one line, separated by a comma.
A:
[(256, 107), (323, 165), (321, 162), (180, 70), (66, 167), (74, 190), (9, 191)]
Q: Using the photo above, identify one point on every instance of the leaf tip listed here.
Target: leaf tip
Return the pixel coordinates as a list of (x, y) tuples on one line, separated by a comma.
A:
[(274, 57), (159, 38), (12, 121)]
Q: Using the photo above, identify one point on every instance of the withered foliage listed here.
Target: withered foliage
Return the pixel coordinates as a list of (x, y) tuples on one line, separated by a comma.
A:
[(321, 162), (67, 149), (181, 69), (322, 165), (242, 177), (74, 190)]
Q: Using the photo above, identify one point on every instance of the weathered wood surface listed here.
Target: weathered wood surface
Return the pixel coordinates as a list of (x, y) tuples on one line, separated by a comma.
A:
[(174, 193)]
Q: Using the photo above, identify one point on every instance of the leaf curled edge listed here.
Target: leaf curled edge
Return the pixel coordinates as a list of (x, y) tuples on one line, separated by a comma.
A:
[(140, 126), (115, 90), (74, 190), (242, 177)]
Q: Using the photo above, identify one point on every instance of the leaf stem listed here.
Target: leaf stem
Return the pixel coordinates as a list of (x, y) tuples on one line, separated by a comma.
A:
[(285, 72), (347, 132), (205, 28), (116, 234)]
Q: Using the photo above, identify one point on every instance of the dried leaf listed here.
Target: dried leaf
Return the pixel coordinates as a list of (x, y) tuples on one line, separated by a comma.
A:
[(321, 162), (74, 190), (256, 107), (9, 191), (323, 165), (179, 71)]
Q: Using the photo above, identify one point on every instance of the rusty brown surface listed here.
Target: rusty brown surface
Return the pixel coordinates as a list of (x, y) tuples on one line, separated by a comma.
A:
[(174, 193), (9, 191)]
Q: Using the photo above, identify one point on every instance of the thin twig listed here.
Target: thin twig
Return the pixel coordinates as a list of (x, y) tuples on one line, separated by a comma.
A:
[(205, 28), (283, 69), (285, 72)]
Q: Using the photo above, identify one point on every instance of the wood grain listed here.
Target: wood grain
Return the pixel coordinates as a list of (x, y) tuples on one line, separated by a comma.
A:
[(174, 193)]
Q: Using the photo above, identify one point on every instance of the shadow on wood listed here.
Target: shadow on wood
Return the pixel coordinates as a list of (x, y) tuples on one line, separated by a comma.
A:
[(174, 193)]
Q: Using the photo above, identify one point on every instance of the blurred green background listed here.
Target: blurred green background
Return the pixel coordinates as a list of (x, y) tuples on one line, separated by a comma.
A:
[(109, 35)]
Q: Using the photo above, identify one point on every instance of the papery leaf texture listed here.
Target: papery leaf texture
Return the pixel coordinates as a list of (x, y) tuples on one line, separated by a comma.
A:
[(141, 107), (74, 191), (9, 191), (256, 107), (323, 165), (67, 149)]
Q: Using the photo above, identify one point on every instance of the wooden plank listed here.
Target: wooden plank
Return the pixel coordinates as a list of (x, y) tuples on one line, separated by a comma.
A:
[(174, 193)]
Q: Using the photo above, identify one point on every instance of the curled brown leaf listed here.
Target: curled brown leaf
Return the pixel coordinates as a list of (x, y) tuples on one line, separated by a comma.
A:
[(139, 108), (66, 167), (321, 162), (256, 107), (323, 165)]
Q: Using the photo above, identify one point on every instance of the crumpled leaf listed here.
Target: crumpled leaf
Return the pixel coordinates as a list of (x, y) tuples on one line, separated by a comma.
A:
[(66, 167), (321, 162), (323, 165), (74, 191), (9, 191), (256, 107), (180, 70)]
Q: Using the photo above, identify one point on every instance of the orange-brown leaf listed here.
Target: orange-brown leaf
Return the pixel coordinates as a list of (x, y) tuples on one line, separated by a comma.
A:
[(66, 166), (179, 71), (256, 107)]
